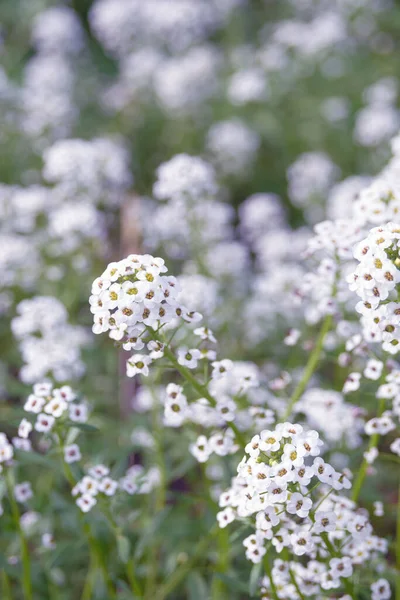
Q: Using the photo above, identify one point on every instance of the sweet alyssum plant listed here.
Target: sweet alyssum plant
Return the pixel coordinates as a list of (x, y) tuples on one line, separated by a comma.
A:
[(307, 536)]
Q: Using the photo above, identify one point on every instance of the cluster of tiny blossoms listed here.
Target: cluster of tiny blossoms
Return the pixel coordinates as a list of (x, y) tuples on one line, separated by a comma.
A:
[(388, 421), (273, 492), (49, 407), (375, 280), (97, 485), (131, 296)]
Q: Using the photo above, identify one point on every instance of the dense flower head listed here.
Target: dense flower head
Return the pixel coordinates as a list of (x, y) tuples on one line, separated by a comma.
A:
[(375, 281), (186, 177), (131, 296), (233, 146), (275, 489), (50, 408), (95, 169), (57, 29), (49, 345)]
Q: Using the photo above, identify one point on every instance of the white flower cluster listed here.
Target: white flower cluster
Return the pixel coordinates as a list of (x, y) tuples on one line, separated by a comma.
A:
[(379, 120), (47, 106), (326, 411), (57, 29), (185, 177), (49, 345), (139, 481), (185, 83), (6, 450), (176, 24), (132, 295), (97, 482), (49, 408), (94, 171), (310, 177), (275, 484), (233, 146), (230, 381), (388, 420), (193, 219), (375, 281)]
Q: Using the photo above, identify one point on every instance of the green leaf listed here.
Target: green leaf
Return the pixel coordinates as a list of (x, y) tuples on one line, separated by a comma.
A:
[(83, 426), (124, 548), (233, 583), (254, 581), (196, 586), (34, 458)]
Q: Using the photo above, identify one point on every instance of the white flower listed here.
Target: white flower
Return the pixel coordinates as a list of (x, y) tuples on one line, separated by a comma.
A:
[(72, 453), (78, 413), (156, 349), (324, 521), (381, 425), (34, 404), (378, 508), (99, 471), (108, 486), (48, 541), (188, 358), (6, 449), (371, 455), (270, 441), (42, 389), (86, 502), (23, 491), (277, 493), (292, 337), (24, 429), (395, 446), (226, 408), (138, 363), (205, 334), (226, 516), (381, 590), (56, 407), (22, 444), (341, 567), (294, 454), (352, 383), (373, 370), (201, 449), (221, 368), (44, 423), (302, 542), (88, 486), (322, 470), (299, 505)]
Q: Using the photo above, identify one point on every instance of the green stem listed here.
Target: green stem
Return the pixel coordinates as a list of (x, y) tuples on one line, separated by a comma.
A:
[(6, 586), (200, 388), (296, 585), (218, 588), (96, 554), (130, 571), (87, 592), (268, 571), (373, 443), (179, 575), (310, 366), (26, 562)]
